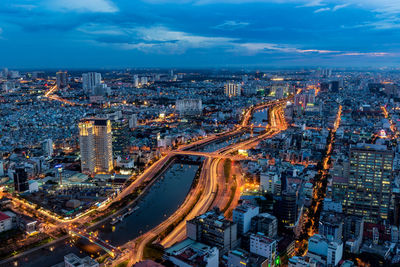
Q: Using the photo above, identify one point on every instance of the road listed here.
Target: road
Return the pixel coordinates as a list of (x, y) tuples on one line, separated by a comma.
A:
[(208, 180), (210, 197)]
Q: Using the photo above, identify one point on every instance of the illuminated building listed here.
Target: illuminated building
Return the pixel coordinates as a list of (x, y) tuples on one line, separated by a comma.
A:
[(47, 147), (232, 89), (90, 80), (331, 226), (191, 253), (95, 140), (263, 246), (238, 258), (242, 215), (188, 107), (62, 79), (20, 180), (325, 252), (72, 260), (136, 80), (369, 185), (265, 223), (213, 229), (286, 208)]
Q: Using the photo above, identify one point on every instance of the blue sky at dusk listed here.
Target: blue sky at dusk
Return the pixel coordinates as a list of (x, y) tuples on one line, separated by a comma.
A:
[(198, 33)]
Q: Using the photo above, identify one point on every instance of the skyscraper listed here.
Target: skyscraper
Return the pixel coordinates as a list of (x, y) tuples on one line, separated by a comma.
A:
[(369, 186), (62, 79), (95, 140), (47, 147), (232, 89), (90, 80), (286, 208), (20, 180)]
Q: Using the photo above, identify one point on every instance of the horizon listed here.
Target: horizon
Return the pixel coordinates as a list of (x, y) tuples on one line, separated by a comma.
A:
[(199, 33)]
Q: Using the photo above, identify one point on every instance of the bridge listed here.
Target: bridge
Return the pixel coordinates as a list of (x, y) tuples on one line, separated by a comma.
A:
[(210, 155), (110, 249)]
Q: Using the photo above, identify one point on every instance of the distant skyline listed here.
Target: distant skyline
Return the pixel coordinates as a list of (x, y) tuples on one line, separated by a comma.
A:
[(199, 33)]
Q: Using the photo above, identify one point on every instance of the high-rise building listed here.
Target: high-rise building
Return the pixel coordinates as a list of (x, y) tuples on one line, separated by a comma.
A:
[(90, 80), (136, 80), (47, 147), (369, 185), (20, 180), (62, 79), (265, 223), (213, 229), (95, 140), (325, 252), (188, 107), (286, 208), (242, 216), (232, 89), (331, 226), (263, 246)]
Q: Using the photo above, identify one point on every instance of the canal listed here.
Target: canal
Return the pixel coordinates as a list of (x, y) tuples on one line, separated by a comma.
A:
[(260, 118), (162, 200)]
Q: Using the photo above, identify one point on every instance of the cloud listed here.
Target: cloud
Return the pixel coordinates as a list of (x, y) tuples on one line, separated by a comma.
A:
[(255, 48), (95, 6), (371, 54), (337, 7), (322, 10), (232, 25), (158, 39)]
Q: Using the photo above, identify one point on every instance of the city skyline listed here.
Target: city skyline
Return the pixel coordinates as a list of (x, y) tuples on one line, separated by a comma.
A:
[(223, 33)]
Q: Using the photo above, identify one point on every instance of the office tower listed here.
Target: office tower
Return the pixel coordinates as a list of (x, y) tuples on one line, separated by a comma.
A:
[(213, 229), (325, 252), (286, 208), (95, 140), (232, 89), (242, 216), (265, 223), (188, 107), (369, 185), (136, 80), (47, 147), (90, 80), (20, 180), (62, 79)]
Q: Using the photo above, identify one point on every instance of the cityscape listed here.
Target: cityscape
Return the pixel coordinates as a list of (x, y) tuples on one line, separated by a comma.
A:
[(182, 133)]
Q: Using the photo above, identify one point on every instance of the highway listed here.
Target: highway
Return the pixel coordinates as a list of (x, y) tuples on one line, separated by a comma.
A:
[(207, 187), (210, 180)]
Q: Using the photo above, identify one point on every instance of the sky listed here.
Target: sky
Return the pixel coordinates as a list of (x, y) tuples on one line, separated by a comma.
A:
[(199, 33)]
